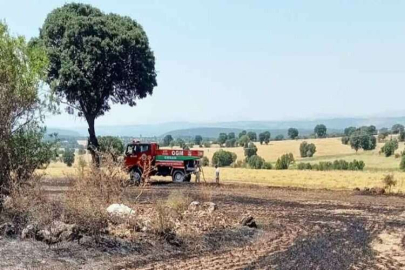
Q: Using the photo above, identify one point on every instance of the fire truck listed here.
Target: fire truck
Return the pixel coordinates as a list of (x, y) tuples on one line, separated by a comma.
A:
[(147, 157)]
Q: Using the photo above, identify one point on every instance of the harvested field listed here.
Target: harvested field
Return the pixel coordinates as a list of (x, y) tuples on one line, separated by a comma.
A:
[(297, 229)]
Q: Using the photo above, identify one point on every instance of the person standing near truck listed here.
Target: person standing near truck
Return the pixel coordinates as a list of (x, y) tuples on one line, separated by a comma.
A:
[(217, 174), (197, 174)]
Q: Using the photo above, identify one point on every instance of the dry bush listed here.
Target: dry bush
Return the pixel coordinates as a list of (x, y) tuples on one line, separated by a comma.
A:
[(91, 193), (178, 201), (389, 181), (163, 223), (28, 204), (205, 193)]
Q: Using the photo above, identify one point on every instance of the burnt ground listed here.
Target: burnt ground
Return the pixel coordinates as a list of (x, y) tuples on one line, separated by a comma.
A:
[(297, 229)]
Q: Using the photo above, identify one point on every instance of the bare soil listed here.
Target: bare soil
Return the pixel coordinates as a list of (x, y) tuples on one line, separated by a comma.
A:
[(297, 229)]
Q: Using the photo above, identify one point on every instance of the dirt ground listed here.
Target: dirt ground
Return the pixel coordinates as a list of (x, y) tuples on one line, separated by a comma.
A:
[(297, 229)]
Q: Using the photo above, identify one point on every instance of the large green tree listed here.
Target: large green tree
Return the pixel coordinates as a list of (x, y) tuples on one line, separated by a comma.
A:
[(293, 133), (320, 131), (96, 60)]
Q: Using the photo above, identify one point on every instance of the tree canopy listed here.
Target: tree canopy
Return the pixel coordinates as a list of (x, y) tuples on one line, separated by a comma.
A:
[(96, 60), (320, 131), (293, 133)]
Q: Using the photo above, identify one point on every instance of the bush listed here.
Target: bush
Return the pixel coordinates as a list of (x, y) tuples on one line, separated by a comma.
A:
[(250, 150), (223, 158), (244, 141), (255, 162), (304, 166), (307, 150), (389, 181), (206, 144), (401, 136), (230, 142), (178, 201), (205, 161), (336, 165), (267, 166), (345, 140), (284, 162), (402, 164), (68, 157), (279, 137), (362, 140), (389, 148)]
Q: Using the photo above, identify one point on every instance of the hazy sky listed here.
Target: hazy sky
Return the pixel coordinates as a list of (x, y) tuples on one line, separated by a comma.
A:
[(255, 60)]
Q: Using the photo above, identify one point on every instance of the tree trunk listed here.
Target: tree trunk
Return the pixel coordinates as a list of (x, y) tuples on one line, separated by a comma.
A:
[(92, 143)]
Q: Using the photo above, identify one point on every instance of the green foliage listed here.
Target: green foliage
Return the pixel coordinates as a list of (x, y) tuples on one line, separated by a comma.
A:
[(320, 131), (167, 140), (279, 137), (264, 137), (307, 150), (284, 162), (397, 128), (198, 139), (250, 150), (255, 162), (205, 161), (68, 157), (230, 142), (267, 166), (180, 142), (362, 140), (96, 59), (231, 135), (402, 164), (345, 140), (206, 144), (111, 145), (349, 130), (304, 166), (336, 165), (222, 138), (389, 148), (252, 136), (293, 133), (242, 133), (223, 158), (244, 141), (401, 136), (22, 67)]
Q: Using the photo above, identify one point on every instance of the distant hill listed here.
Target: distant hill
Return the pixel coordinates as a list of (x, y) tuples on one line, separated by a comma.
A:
[(186, 129), (63, 132)]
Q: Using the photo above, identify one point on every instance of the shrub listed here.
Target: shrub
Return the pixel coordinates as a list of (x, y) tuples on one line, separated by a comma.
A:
[(205, 161), (178, 201), (402, 164), (401, 136), (244, 141), (320, 131), (389, 181), (389, 148), (223, 158), (345, 140), (293, 133), (68, 157), (362, 140), (336, 165), (267, 166), (207, 144), (304, 166), (284, 162), (250, 150), (307, 150), (279, 137), (255, 162)]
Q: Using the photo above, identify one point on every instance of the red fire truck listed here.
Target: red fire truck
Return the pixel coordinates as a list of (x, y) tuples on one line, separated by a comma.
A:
[(177, 163)]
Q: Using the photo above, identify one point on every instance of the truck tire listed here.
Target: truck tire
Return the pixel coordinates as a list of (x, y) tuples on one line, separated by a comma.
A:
[(187, 178), (178, 176), (135, 177)]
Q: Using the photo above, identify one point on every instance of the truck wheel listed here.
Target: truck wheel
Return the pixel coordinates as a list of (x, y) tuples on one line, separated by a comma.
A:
[(187, 178), (135, 177), (178, 176)]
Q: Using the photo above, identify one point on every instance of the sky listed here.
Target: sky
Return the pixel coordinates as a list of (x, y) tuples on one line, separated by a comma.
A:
[(254, 60)]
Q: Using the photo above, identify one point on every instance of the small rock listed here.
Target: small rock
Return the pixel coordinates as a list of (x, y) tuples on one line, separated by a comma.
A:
[(7, 229), (29, 231), (210, 207), (120, 210), (194, 206), (249, 221)]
